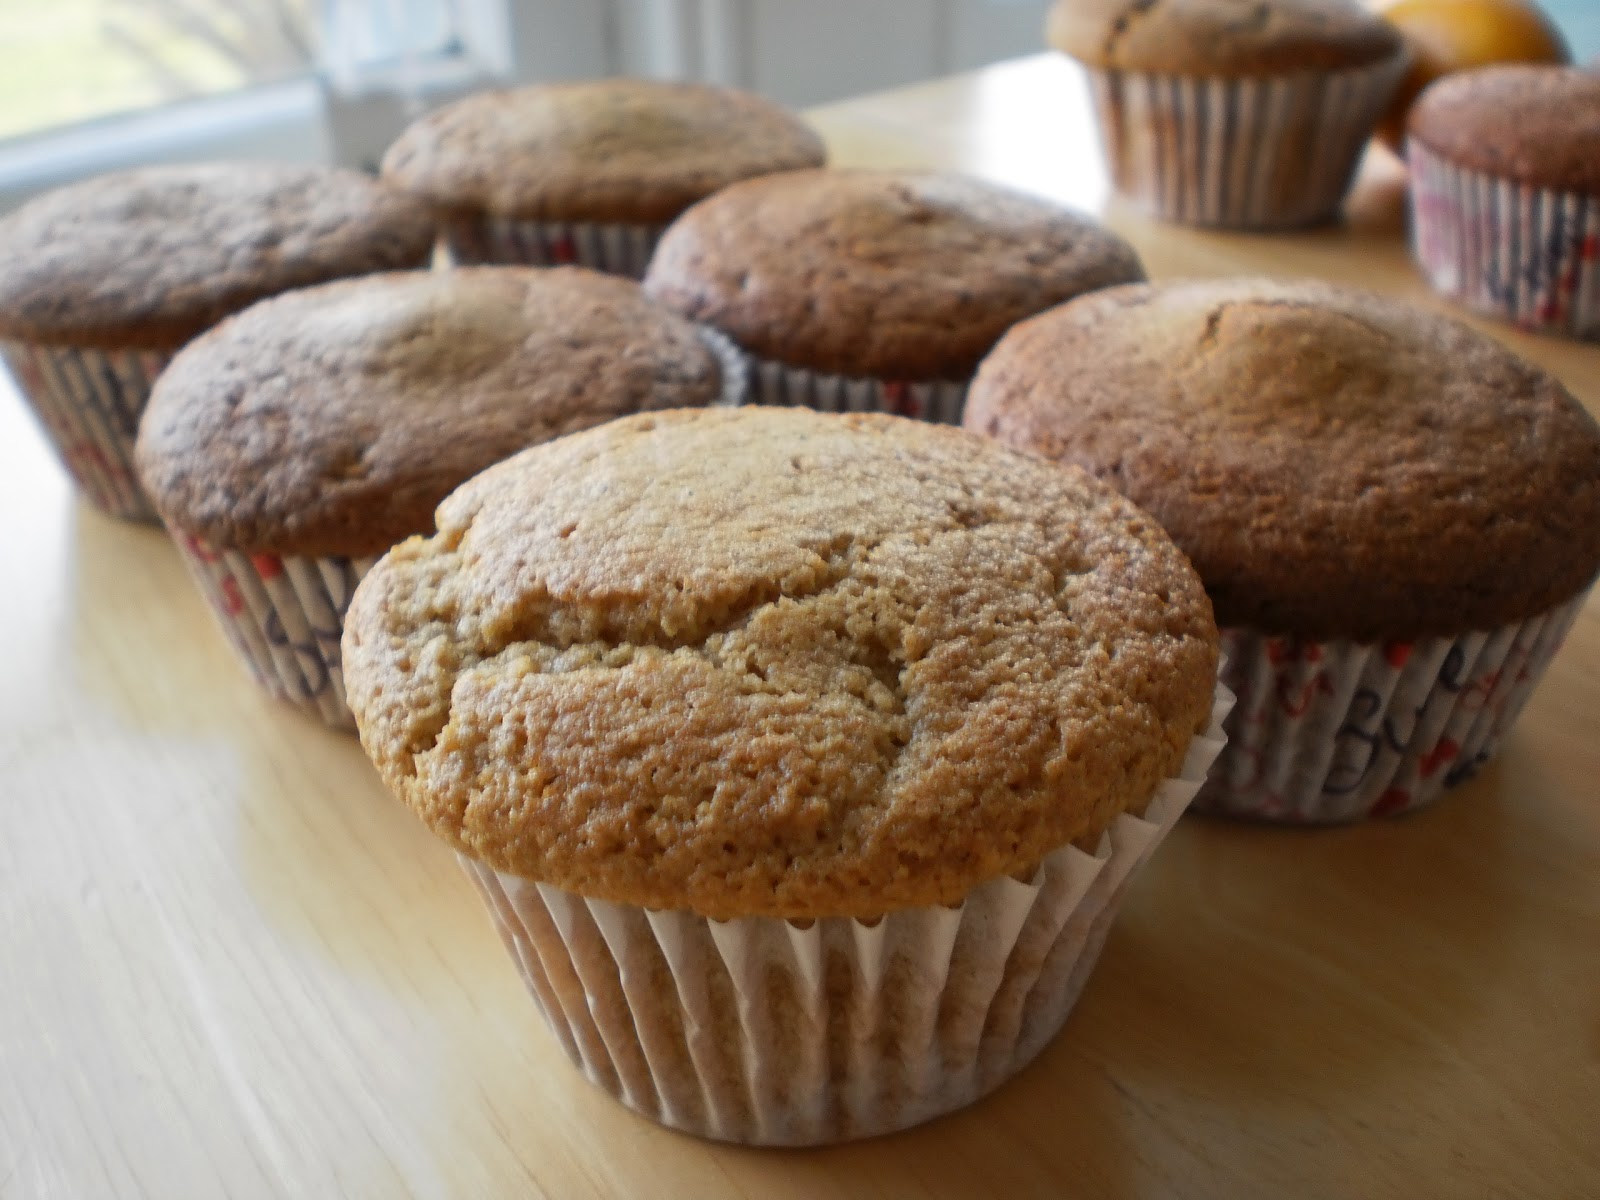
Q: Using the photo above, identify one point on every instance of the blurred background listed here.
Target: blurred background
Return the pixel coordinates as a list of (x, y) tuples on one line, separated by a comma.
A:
[(92, 85)]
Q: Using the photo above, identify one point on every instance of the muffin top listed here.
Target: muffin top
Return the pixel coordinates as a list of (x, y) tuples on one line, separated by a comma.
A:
[(1536, 124), (900, 275), (332, 421), (1337, 465), (770, 661), (614, 150), (1222, 37), (148, 258)]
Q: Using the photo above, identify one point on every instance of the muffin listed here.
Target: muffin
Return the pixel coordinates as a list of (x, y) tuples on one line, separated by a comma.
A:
[(1446, 36), (591, 172), (295, 443), (1396, 518), (877, 290), (100, 282), (801, 758), (1246, 114), (1505, 194)]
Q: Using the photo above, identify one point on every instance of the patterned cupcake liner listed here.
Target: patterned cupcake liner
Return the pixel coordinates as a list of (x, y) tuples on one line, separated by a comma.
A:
[(1527, 255), (89, 403), (615, 249), (763, 1031), (1269, 153), (1327, 732), (285, 616), (939, 402)]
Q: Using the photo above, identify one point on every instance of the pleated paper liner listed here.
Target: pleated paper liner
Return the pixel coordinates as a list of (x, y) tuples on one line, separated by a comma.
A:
[(614, 248), (1329, 732), (768, 1032), (936, 401), (1527, 255), (1270, 153), (89, 403), (733, 364), (285, 616)]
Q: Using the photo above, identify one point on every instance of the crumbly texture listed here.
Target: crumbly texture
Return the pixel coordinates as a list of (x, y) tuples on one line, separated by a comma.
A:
[(900, 275), (1534, 124), (613, 150), (777, 662), (1240, 38), (1337, 465), (332, 421), (148, 258)]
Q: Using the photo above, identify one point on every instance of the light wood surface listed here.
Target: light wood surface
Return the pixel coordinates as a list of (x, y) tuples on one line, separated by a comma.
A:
[(233, 966)]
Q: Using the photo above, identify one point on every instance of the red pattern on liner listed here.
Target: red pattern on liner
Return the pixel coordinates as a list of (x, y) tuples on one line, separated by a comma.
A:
[(268, 566)]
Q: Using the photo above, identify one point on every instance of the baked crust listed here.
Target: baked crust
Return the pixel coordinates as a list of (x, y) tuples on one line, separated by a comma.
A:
[(332, 420), (898, 275), (776, 662), (1335, 463), (148, 258)]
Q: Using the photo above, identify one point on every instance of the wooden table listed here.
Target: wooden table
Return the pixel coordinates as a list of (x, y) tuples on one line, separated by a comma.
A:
[(233, 966)]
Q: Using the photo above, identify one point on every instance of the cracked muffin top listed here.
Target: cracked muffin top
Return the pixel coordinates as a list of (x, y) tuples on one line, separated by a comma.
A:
[(775, 662), (332, 420), (1336, 464), (148, 258), (614, 150), (1222, 37), (898, 275)]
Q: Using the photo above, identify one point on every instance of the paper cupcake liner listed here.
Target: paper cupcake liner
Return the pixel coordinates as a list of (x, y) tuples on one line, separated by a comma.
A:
[(1527, 255), (938, 401), (89, 403), (615, 249), (763, 1031), (1327, 732), (1268, 153), (734, 365), (285, 616)]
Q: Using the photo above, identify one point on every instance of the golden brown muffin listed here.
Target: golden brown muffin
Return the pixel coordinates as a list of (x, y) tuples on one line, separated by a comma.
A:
[(331, 421), (905, 275), (775, 662), (1538, 125), (1336, 464), (1221, 37), (613, 150), (150, 257)]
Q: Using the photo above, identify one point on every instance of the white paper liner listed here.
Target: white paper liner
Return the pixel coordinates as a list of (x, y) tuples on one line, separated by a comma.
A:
[(1327, 732), (937, 401), (1268, 153), (617, 249), (89, 403), (1524, 254), (759, 1031), (734, 365), (285, 616)]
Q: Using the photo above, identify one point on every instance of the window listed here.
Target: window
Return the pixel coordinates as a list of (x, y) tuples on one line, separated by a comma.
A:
[(73, 60)]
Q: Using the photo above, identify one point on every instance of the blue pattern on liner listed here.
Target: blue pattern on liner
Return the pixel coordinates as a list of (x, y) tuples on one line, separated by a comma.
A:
[(1527, 255)]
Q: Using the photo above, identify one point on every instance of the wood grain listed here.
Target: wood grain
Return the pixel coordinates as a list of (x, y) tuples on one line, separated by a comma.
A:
[(235, 967)]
